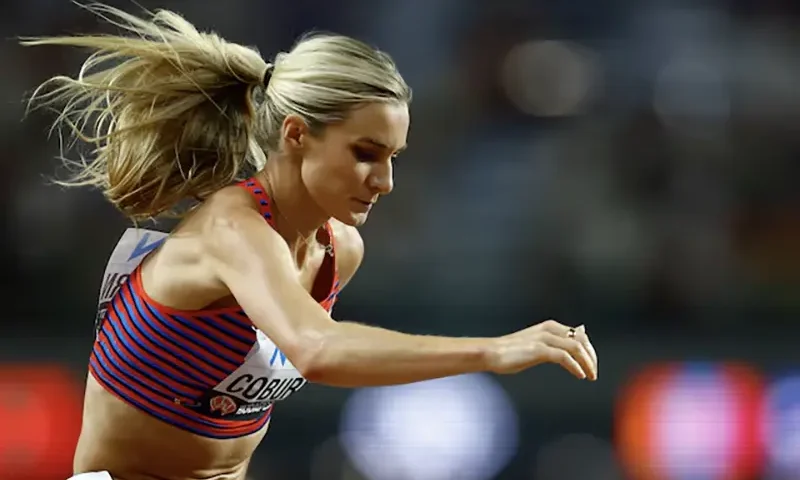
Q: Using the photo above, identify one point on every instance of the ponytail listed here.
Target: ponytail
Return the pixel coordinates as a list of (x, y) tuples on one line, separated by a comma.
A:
[(168, 111)]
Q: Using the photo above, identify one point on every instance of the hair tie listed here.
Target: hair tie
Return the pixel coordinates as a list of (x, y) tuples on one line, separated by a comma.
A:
[(268, 74)]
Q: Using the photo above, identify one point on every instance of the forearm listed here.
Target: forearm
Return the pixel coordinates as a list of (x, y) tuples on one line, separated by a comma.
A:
[(354, 355)]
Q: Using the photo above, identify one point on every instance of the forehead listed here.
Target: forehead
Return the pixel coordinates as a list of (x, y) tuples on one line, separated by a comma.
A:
[(385, 123)]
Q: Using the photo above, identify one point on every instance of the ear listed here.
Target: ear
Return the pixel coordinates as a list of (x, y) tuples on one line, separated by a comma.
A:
[(294, 133)]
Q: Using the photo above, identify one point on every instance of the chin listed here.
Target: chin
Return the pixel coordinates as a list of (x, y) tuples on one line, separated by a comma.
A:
[(353, 219)]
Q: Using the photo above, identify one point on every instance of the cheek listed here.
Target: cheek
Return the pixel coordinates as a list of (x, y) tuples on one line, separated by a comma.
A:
[(330, 176)]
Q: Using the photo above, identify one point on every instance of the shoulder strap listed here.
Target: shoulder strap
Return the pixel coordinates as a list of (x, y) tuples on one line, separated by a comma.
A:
[(255, 188)]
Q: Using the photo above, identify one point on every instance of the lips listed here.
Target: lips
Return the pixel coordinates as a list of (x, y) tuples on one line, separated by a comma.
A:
[(365, 205)]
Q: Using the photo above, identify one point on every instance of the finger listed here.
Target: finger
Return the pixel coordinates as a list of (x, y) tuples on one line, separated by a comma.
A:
[(563, 358), (576, 349), (562, 331), (551, 326), (584, 338), (559, 329), (555, 328)]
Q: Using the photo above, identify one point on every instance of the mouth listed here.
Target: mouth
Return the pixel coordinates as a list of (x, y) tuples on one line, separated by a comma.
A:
[(364, 205)]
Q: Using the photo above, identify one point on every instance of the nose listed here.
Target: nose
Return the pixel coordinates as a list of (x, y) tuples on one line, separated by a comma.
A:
[(381, 180)]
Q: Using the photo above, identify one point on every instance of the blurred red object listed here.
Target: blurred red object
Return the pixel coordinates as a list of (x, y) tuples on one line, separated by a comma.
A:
[(40, 420), (683, 421)]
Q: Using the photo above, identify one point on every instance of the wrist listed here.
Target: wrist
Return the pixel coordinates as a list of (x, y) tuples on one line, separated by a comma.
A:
[(485, 352)]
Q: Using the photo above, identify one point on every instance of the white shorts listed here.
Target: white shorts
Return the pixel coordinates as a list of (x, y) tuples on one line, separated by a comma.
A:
[(92, 476)]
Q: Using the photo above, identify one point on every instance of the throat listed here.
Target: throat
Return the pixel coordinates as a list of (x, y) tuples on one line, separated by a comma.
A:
[(294, 214)]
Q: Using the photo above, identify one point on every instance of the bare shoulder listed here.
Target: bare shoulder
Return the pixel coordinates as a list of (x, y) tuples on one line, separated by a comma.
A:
[(229, 199), (190, 237), (185, 272), (232, 227), (226, 208), (349, 249)]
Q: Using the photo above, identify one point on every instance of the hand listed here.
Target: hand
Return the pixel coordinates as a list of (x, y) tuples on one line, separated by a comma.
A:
[(547, 342)]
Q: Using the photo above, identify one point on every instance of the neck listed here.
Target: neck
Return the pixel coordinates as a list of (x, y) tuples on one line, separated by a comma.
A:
[(297, 217)]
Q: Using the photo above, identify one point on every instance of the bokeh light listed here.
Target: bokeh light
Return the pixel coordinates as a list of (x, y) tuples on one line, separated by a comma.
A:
[(549, 78), (461, 427), (783, 427), (40, 419), (692, 421)]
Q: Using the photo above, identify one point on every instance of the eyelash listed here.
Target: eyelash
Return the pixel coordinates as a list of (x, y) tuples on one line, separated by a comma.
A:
[(365, 156)]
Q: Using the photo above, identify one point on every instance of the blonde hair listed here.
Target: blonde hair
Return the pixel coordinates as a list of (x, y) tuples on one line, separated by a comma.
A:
[(172, 113)]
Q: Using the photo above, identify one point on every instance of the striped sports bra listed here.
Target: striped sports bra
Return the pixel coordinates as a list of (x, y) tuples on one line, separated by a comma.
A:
[(209, 372)]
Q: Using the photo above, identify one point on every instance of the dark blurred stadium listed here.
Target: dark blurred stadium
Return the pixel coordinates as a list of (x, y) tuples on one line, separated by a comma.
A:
[(628, 165)]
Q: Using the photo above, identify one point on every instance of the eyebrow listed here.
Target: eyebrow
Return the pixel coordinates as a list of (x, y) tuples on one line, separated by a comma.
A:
[(378, 144)]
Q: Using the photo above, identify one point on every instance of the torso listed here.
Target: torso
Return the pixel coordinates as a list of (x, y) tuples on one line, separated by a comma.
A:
[(222, 419)]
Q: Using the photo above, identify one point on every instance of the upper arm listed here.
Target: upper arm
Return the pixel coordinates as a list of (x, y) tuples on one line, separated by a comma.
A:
[(349, 251), (255, 264)]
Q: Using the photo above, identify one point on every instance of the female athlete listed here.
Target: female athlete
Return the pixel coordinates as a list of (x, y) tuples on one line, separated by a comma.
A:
[(202, 330)]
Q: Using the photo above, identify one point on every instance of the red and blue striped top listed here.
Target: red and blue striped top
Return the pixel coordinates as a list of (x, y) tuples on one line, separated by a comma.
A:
[(209, 372)]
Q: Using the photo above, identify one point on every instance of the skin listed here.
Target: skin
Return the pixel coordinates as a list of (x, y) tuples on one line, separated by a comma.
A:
[(224, 254)]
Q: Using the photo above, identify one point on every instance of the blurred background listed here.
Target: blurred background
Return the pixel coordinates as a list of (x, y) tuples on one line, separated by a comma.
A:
[(628, 165)]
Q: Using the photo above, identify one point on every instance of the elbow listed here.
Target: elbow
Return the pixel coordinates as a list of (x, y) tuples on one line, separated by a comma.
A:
[(315, 372), (313, 360)]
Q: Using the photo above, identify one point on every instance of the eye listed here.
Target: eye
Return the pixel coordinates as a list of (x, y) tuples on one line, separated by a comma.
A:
[(364, 155)]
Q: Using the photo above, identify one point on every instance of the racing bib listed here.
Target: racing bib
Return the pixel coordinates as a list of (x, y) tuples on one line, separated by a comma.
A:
[(131, 249)]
